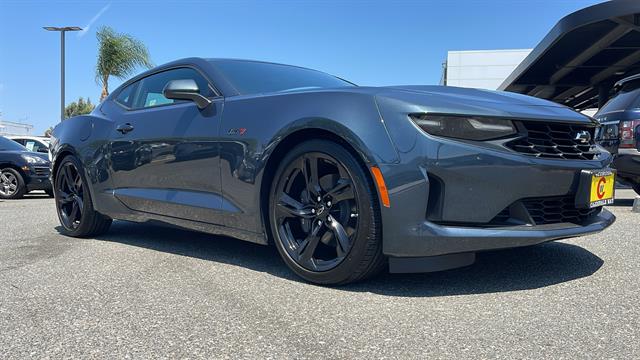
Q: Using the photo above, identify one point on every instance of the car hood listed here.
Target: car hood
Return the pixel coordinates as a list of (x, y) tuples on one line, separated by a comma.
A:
[(18, 153), (464, 101)]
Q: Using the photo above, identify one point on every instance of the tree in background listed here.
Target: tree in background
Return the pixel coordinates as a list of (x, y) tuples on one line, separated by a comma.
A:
[(119, 55), (79, 107), (48, 132)]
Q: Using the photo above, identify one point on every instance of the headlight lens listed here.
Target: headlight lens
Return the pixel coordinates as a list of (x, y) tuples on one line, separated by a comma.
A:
[(464, 127), (33, 159)]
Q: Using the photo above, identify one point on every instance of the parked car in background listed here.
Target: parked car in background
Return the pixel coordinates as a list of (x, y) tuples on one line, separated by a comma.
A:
[(620, 130), (343, 179), (33, 143), (21, 170)]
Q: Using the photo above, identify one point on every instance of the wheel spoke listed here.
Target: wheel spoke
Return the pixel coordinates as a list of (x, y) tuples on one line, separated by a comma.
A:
[(80, 203), (74, 212), (77, 183), (69, 180), (64, 197), (289, 207), (310, 173), (342, 191), (342, 239), (308, 246)]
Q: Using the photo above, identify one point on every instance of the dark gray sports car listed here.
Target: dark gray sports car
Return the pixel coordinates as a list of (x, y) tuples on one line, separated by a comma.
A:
[(342, 179)]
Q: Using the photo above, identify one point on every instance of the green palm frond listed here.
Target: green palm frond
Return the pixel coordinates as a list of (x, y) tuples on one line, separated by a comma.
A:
[(119, 55)]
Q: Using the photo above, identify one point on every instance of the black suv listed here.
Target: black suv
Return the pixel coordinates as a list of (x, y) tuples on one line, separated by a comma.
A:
[(620, 130), (22, 170)]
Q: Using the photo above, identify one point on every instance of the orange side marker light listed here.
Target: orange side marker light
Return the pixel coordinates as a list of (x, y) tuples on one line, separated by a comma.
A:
[(382, 188)]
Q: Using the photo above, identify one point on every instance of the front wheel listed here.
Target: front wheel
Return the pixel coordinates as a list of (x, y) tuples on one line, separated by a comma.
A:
[(324, 216), (11, 184), (73, 202)]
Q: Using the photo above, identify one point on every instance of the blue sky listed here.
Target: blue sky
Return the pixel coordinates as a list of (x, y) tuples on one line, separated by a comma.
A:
[(367, 42)]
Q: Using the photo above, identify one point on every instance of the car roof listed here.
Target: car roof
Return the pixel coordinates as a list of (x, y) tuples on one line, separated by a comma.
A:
[(627, 80), (41, 138)]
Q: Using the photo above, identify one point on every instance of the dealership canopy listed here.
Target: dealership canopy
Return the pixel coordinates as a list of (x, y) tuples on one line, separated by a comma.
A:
[(580, 59)]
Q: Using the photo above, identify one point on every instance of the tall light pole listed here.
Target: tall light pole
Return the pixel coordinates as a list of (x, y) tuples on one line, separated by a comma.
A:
[(62, 31)]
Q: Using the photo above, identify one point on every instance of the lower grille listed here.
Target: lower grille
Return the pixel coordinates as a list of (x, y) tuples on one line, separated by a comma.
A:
[(556, 141), (41, 170), (559, 209)]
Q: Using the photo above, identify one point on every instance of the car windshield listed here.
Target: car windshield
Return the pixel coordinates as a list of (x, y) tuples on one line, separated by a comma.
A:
[(249, 77), (8, 144)]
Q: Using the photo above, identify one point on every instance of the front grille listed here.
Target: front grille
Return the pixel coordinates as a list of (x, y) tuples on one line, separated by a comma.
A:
[(558, 209), (556, 141), (41, 170)]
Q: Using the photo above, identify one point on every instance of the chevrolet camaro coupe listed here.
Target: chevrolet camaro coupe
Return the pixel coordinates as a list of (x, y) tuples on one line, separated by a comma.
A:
[(344, 180)]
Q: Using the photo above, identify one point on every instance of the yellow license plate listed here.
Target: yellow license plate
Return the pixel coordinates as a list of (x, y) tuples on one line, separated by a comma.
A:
[(602, 188)]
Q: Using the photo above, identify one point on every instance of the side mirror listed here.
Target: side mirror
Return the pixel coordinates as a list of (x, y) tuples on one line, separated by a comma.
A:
[(185, 89)]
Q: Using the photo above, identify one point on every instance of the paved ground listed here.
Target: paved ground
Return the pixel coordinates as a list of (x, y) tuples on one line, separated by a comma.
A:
[(144, 291)]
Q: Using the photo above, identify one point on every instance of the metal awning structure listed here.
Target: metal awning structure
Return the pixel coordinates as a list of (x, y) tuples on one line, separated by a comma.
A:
[(579, 60)]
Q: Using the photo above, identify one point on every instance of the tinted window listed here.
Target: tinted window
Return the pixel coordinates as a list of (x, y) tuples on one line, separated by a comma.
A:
[(7, 144), (255, 77), (149, 90), (125, 97)]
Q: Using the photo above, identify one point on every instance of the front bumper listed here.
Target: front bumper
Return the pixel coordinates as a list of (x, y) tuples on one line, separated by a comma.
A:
[(445, 196), (430, 239), (38, 178)]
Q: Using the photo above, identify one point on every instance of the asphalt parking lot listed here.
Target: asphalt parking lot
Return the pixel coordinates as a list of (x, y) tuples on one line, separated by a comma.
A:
[(145, 292)]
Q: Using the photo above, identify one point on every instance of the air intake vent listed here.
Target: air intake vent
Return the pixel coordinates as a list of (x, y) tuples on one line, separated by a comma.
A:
[(559, 209), (41, 170)]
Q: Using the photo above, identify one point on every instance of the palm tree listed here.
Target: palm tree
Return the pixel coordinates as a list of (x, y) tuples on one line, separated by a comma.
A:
[(119, 55)]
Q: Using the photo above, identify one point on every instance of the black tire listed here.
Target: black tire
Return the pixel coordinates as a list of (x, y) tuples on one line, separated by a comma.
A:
[(350, 227), (49, 192), (74, 205), (636, 188), (11, 184)]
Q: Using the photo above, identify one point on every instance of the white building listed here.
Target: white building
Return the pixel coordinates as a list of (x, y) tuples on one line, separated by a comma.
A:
[(484, 69), (14, 128)]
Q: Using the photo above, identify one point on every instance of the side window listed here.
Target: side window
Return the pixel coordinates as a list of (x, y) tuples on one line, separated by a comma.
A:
[(19, 141), (125, 98), (150, 89)]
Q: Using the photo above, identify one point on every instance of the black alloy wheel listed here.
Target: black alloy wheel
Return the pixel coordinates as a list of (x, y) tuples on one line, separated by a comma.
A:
[(73, 201), (323, 216), (70, 199)]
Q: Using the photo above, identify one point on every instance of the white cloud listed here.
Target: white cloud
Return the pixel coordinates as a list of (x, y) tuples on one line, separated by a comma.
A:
[(86, 28)]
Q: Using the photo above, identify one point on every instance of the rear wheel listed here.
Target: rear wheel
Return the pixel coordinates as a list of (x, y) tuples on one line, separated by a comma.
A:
[(73, 202), (324, 216), (11, 184)]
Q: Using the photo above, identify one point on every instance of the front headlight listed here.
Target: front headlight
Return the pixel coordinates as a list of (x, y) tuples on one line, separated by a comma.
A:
[(33, 159), (464, 127)]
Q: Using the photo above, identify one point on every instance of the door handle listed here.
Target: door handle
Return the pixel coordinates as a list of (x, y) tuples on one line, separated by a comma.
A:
[(124, 128)]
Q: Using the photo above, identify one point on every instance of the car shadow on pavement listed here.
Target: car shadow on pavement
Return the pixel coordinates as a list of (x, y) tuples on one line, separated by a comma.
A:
[(494, 271)]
